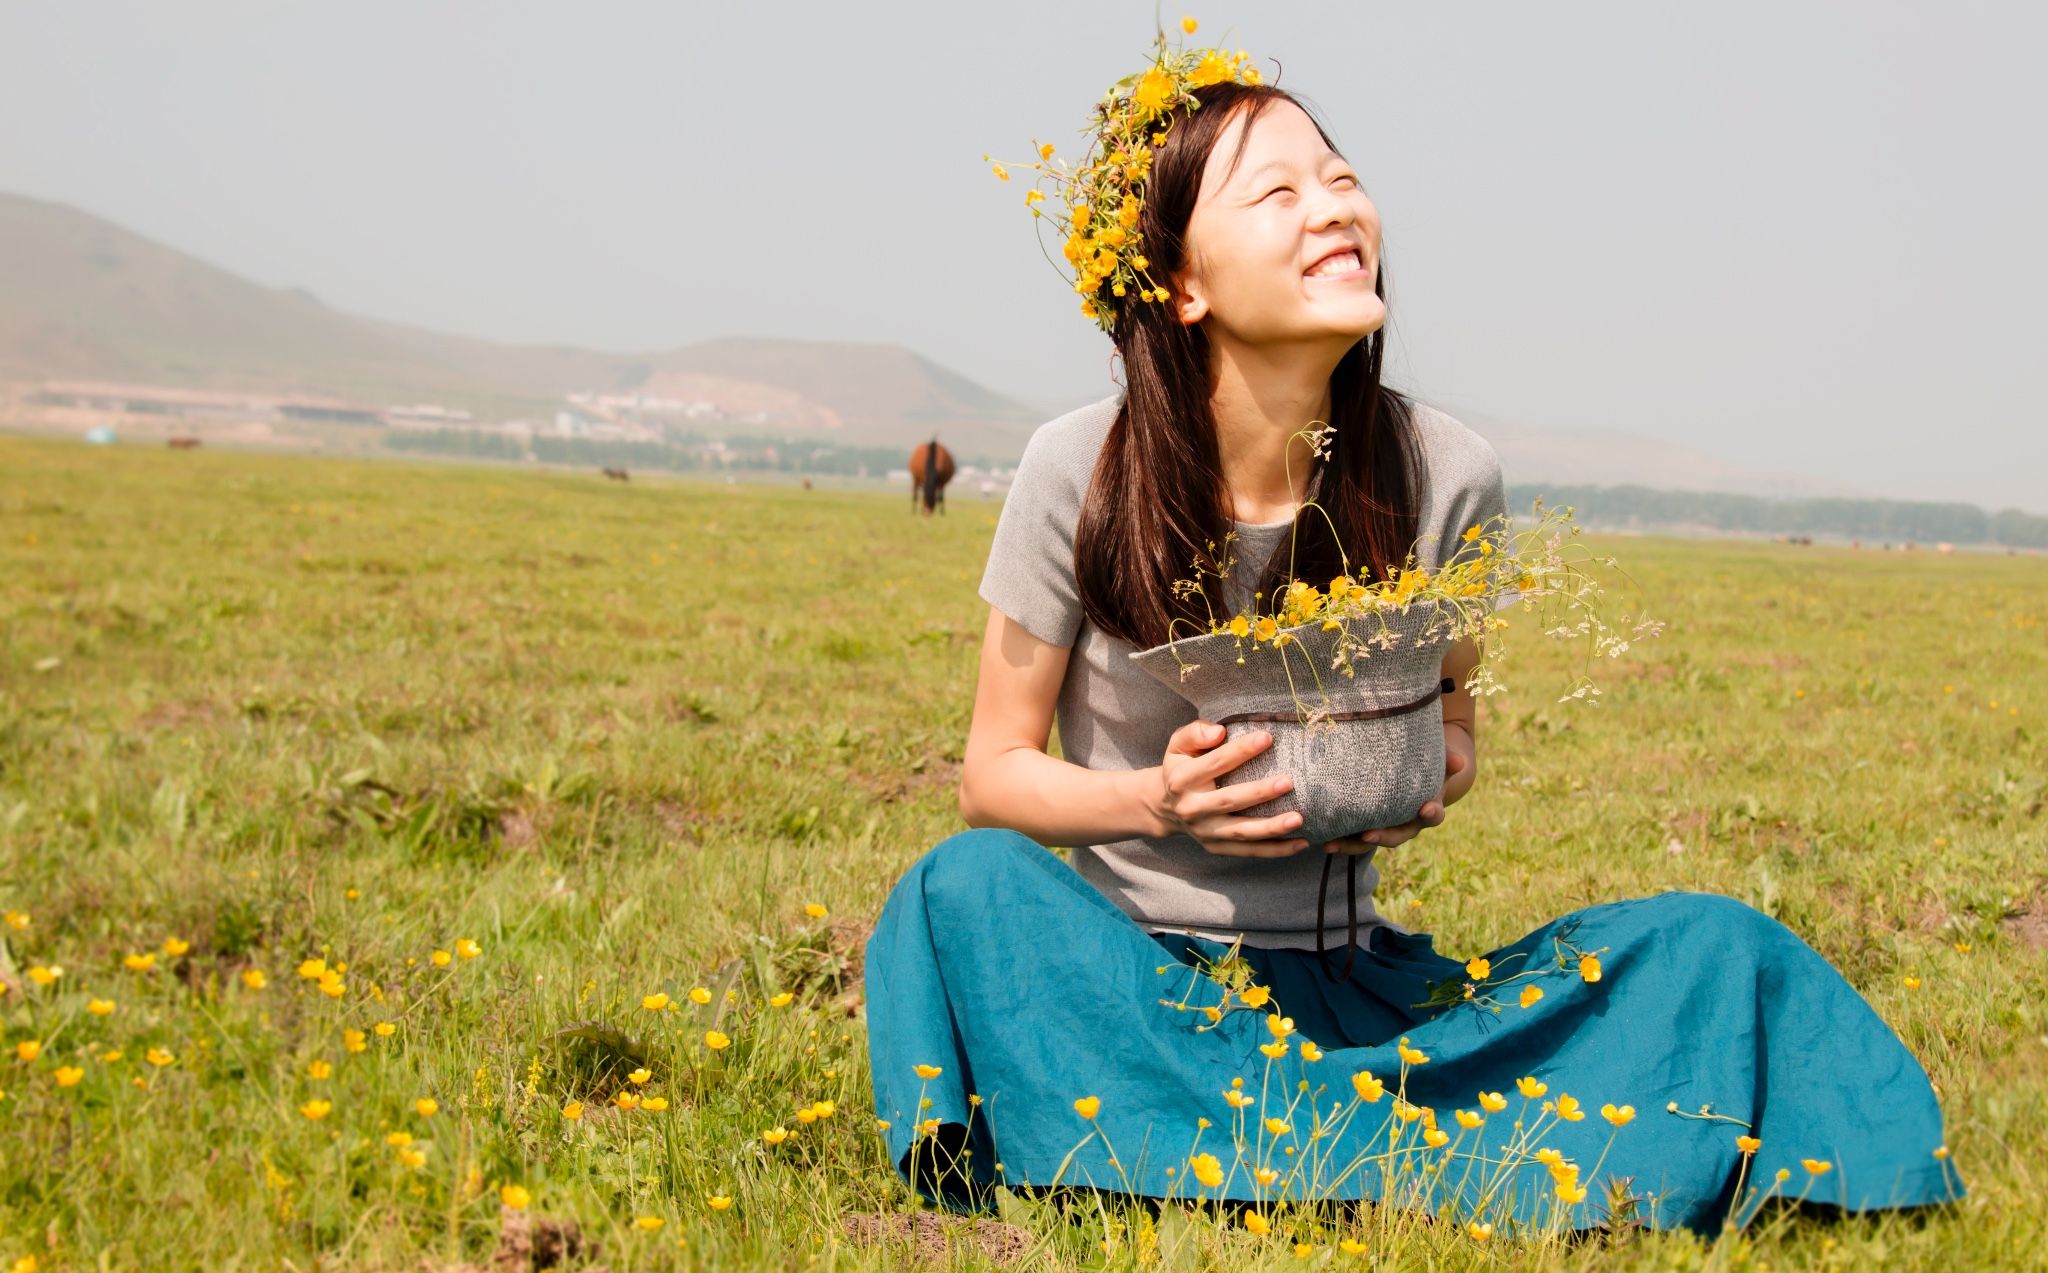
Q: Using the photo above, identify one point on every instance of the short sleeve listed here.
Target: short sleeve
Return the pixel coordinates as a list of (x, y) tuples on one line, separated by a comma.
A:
[(1482, 501), (1030, 570)]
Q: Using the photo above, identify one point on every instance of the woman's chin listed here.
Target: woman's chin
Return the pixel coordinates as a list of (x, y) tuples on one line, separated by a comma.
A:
[(1353, 322)]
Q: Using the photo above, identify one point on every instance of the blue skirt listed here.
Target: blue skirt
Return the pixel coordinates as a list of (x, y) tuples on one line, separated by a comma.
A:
[(1027, 1032)]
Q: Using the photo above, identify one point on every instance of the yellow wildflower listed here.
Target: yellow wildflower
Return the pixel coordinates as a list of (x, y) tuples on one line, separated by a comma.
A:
[(1435, 1138), (100, 1007), (816, 911), (1278, 1026), (699, 996), (426, 1106), (441, 958), (1310, 1052), (1530, 994), (929, 1071), (384, 1029), (1530, 1088), (1815, 1166), (317, 1109), (139, 963), (1467, 1119), (159, 1057), (318, 1070), (717, 1040), (1492, 1102), (176, 946), (719, 1201), (354, 1040), (654, 1104), (254, 979), (1255, 996), (1277, 1126), (467, 948), (68, 1075), (1207, 1170), (515, 1196), (775, 1135), (1589, 967), (649, 1223), (654, 1002), (1478, 968), (780, 1001), (1410, 1056), (1256, 1223), (43, 976), (1568, 1108), (573, 1111), (313, 969), (1088, 1106), (1276, 1049), (28, 1050), (1619, 1115), (1748, 1144), (1369, 1089)]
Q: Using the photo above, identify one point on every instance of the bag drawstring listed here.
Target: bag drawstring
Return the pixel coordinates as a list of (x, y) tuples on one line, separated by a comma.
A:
[(1445, 686)]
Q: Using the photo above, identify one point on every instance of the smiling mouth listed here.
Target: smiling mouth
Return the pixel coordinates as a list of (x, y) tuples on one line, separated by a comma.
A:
[(1340, 265)]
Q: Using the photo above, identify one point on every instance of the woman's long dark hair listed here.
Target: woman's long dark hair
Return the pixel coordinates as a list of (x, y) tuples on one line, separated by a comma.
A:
[(1158, 499)]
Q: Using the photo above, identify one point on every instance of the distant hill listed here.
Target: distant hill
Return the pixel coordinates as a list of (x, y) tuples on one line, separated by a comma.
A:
[(86, 299)]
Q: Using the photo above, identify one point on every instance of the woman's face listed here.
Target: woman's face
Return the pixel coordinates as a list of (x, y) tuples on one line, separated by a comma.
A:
[(1258, 238)]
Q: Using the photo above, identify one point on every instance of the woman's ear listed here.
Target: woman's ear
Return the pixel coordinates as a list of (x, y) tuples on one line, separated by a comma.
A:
[(1188, 304)]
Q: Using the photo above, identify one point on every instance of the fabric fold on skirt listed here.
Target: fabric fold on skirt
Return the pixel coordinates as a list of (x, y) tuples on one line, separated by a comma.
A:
[(1019, 988)]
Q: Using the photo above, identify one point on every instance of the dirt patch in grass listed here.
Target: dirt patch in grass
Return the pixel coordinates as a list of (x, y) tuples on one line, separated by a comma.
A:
[(2028, 925), (931, 774), (849, 939), (679, 821), (516, 829), (177, 715), (930, 1238), (528, 1242)]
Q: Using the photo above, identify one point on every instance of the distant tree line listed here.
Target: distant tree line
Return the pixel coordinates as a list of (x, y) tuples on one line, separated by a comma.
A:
[(1891, 521), (684, 452)]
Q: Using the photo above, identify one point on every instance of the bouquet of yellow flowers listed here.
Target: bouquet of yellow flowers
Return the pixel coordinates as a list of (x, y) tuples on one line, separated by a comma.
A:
[(1340, 674)]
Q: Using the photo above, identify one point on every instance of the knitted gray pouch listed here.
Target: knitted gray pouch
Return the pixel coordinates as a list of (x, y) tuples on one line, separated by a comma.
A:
[(1372, 760)]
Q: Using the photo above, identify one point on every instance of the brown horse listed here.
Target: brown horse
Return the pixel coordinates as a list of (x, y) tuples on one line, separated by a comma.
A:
[(931, 467)]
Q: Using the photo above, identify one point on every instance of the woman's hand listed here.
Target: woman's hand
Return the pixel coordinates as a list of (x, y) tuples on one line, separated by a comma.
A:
[(1183, 797), (1458, 762)]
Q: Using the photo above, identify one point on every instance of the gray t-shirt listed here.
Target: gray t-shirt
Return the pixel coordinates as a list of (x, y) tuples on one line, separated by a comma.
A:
[(1111, 715)]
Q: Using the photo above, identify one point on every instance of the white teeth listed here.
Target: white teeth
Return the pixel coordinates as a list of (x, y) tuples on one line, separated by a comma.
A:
[(1343, 263)]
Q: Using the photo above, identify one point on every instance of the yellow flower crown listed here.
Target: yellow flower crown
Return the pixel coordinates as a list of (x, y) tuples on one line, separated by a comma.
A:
[(1104, 196)]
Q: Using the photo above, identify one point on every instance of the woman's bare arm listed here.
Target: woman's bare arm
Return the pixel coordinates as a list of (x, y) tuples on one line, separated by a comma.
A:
[(1008, 780)]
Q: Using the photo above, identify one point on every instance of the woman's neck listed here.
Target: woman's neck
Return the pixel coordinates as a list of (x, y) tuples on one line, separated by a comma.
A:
[(1258, 407)]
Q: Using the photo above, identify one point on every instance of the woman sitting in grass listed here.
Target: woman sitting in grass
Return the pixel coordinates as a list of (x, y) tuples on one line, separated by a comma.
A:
[(1153, 1019)]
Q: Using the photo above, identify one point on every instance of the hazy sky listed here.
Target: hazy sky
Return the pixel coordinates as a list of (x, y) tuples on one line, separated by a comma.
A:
[(1803, 237)]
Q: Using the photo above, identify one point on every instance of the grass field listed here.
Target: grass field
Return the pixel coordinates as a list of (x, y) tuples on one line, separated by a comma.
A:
[(596, 742)]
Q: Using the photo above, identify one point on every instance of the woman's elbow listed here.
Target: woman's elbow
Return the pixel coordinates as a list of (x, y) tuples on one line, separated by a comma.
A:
[(970, 809)]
